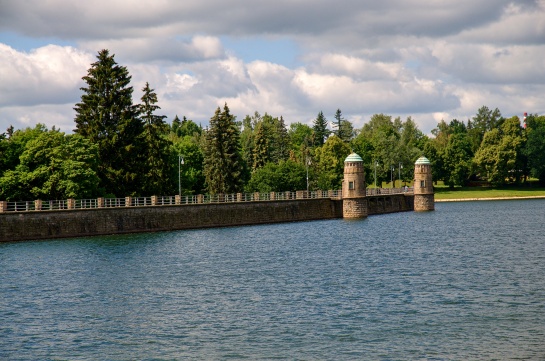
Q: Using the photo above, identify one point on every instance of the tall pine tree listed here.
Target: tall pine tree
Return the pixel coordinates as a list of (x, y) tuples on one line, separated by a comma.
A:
[(108, 118), (223, 164), (320, 129), (157, 145)]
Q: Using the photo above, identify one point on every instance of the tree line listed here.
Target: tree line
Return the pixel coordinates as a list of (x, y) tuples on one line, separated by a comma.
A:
[(120, 149)]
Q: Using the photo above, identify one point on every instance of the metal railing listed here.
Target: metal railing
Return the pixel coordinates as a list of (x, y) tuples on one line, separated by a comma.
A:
[(69, 204)]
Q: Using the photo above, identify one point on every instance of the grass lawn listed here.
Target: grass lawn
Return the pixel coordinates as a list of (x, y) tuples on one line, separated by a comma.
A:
[(527, 190)]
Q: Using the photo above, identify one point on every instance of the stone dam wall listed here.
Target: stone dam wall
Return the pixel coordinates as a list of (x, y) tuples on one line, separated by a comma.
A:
[(37, 225)]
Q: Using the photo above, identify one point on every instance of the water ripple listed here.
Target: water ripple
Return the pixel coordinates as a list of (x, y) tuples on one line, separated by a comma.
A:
[(464, 282)]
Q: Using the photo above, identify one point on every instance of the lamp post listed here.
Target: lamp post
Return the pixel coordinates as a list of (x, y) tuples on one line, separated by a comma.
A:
[(376, 164), (180, 163), (400, 168), (307, 164), (392, 176)]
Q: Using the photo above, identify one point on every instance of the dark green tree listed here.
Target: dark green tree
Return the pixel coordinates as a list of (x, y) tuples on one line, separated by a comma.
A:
[(345, 130), (108, 118), (484, 121), (535, 146), (281, 152), (223, 164), (457, 157), (320, 129), (176, 126), (157, 151), (261, 149)]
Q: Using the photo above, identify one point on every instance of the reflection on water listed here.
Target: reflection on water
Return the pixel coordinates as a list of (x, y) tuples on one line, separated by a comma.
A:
[(464, 282)]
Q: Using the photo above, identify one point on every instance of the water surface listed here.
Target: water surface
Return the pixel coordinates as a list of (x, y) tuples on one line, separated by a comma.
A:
[(464, 282)]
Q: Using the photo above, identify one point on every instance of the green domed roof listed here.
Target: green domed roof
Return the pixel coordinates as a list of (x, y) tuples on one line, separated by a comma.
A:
[(353, 158), (422, 160)]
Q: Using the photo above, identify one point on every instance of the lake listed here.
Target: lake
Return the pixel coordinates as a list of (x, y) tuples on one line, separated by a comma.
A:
[(464, 282)]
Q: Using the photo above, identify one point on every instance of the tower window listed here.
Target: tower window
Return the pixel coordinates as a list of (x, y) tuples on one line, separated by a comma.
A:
[(351, 185), (422, 184)]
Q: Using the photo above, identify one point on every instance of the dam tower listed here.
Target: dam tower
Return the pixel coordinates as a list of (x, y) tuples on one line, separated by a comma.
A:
[(423, 187), (353, 188)]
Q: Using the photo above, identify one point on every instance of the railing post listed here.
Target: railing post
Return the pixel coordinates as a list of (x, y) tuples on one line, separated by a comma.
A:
[(256, 196), (3, 206), (38, 205), (273, 196), (299, 194), (177, 199), (71, 203), (153, 200), (199, 198), (128, 201), (239, 197), (100, 202)]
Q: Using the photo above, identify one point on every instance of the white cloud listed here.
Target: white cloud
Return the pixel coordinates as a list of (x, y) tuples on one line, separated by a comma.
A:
[(48, 75), (401, 57)]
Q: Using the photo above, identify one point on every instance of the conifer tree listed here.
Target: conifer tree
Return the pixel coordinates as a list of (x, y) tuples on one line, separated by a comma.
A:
[(157, 146), (223, 163), (320, 129), (345, 130), (176, 126), (108, 118), (261, 149), (283, 141)]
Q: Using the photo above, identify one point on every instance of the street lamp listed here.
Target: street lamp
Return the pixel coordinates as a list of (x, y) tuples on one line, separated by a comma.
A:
[(400, 168), (392, 176), (180, 163), (376, 164), (307, 163)]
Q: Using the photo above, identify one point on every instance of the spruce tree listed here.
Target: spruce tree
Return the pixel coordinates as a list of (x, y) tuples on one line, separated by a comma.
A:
[(320, 129), (157, 146), (108, 118), (261, 149), (345, 130), (223, 163), (282, 142)]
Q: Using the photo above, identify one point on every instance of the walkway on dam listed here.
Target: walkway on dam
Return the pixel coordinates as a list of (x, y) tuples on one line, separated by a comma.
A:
[(68, 204)]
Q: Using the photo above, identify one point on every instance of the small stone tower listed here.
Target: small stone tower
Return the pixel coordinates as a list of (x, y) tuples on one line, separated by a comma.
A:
[(423, 186), (354, 201)]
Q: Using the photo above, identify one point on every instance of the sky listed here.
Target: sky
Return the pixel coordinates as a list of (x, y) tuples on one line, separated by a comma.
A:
[(428, 59)]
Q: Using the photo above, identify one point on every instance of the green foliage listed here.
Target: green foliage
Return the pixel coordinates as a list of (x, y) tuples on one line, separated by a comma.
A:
[(485, 120), (457, 158), (261, 148), (535, 146), (320, 129), (223, 164), (501, 155), (191, 178), (157, 151), (278, 177), (330, 163), (107, 117), (185, 127), (301, 138), (13, 144), (383, 137), (53, 166), (345, 130)]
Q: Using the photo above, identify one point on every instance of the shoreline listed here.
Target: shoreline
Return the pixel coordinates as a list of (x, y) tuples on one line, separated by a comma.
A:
[(487, 199)]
